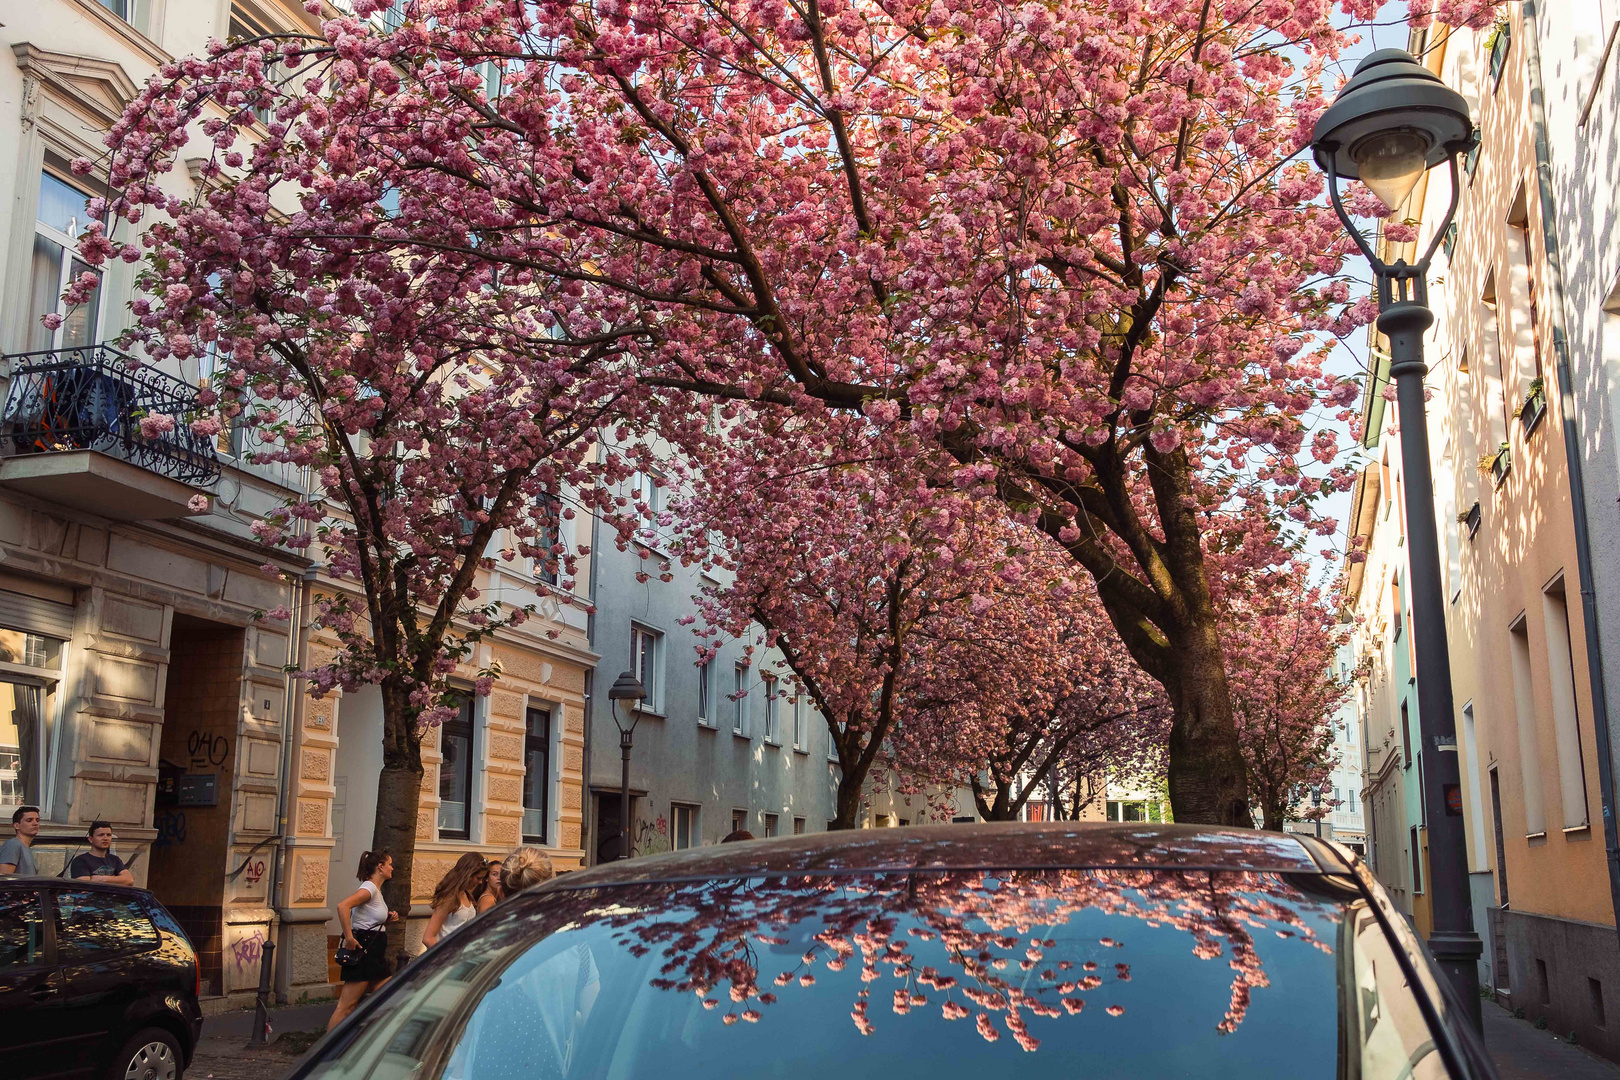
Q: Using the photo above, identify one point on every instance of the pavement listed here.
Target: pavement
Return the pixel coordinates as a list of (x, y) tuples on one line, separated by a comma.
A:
[(223, 1054), (1522, 1052)]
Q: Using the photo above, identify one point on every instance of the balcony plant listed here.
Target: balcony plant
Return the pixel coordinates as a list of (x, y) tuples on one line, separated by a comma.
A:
[(1533, 407)]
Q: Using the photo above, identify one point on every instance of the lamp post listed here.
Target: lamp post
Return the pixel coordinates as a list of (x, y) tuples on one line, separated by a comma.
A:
[(625, 698), (1393, 121)]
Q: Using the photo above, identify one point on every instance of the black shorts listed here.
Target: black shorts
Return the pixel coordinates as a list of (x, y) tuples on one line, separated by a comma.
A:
[(374, 964)]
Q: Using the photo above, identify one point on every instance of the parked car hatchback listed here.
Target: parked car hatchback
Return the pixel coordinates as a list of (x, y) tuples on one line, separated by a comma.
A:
[(95, 980), (1119, 950)]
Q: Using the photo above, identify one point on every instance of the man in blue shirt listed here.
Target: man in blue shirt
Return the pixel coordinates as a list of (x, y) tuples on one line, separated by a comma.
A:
[(16, 854), (99, 863)]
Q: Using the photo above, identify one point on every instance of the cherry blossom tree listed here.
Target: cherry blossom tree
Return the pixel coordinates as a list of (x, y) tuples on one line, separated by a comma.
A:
[(1070, 247), (440, 411), (873, 588), (1040, 681), (1281, 640)]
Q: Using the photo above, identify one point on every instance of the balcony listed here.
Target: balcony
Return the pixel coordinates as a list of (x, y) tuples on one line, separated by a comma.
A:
[(72, 435)]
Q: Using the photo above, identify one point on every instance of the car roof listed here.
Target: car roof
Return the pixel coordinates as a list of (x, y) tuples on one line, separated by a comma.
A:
[(996, 845), (52, 881)]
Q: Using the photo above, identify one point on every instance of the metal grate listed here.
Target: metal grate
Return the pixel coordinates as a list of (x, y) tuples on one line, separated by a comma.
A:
[(93, 398)]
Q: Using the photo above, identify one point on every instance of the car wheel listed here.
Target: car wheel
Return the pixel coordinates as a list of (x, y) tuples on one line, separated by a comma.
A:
[(150, 1054)]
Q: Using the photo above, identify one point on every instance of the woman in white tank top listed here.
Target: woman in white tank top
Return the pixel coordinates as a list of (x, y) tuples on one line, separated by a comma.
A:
[(455, 898)]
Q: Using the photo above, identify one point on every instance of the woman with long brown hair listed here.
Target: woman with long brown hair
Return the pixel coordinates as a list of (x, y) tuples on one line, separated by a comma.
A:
[(493, 893), (455, 898)]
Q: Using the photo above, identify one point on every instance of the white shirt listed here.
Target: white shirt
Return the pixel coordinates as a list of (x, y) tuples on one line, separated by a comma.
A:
[(371, 914)]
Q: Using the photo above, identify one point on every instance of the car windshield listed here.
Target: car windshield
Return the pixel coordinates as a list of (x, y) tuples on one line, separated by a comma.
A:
[(890, 975)]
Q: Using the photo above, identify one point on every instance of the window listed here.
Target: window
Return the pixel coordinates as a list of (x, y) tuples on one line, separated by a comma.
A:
[(801, 722), (798, 826), (91, 925), (1417, 862), (739, 685), (1566, 720), (536, 774), (1535, 812), (455, 773), (27, 708), (770, 824), (646, 648), (550, 540), (22, 930), (245, 28), (1406, 737), (706, 695), (59, 221), (739, 820), (683, 826), (773, 727), (648, 495)]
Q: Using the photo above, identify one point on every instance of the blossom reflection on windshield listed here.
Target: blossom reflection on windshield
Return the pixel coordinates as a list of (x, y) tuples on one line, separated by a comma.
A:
[(999, 948)]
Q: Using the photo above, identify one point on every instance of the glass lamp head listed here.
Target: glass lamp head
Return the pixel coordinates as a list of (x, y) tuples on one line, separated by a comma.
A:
[(1391, 163)]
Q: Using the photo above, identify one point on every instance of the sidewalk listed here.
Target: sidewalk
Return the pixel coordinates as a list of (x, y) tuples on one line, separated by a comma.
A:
[(222, 1052), (1521, 1052)]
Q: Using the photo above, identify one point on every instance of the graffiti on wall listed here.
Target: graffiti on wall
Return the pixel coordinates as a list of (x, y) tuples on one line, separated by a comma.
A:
[(171, 828), (247, 951), (207, 749)]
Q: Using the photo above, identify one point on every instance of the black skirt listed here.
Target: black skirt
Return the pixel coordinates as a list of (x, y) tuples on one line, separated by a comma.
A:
[(374, 964)]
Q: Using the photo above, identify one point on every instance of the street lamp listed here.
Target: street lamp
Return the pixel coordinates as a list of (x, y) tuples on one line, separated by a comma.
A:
[(1393, 121), (627, 689)]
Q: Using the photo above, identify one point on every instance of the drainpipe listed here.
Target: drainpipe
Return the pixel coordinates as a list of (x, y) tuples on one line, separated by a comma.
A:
[(1530, 10), (587, 831)]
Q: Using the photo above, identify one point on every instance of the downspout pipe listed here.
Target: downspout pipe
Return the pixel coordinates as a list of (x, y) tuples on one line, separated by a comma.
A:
[(1530, 11)]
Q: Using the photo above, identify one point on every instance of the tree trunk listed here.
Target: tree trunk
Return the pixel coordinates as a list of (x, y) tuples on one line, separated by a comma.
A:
[(1208, 780), (1272, 814), (399, 801), (848, 810)]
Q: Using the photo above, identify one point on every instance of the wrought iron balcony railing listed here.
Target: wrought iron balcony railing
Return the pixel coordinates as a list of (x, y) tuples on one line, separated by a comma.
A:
[(90, 398)]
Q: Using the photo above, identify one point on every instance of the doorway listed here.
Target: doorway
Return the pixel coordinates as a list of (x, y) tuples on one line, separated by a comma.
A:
[(202, 705)]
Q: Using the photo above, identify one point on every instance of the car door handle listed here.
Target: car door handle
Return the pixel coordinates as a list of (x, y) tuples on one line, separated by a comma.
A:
[(42, 991)]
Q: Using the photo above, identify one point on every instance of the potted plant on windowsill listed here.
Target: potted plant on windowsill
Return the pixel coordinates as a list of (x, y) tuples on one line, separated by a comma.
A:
[(1497, 464), (1534, 406)]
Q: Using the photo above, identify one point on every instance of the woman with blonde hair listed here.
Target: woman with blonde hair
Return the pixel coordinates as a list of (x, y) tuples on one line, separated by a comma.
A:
[(524, 869), (455, 897)]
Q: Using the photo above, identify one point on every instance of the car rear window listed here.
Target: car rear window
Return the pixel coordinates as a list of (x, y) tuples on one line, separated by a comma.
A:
[(91, 925), (894, 975)]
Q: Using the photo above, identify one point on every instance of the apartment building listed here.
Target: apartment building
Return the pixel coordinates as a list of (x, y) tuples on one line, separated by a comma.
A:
[(139, 686), (1532, 799), (1343, 821), (717, 747)]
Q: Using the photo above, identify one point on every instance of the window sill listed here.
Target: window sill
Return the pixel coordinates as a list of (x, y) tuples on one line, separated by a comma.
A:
[(706, 725), (741, 735), (1536, 835), (772, 742), (1578, 828), (801, 750)]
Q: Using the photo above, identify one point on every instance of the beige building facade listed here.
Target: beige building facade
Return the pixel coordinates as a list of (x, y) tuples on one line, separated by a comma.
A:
[(1532, 800), (139, 679)]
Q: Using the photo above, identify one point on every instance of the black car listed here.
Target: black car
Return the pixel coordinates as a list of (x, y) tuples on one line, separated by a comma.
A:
[(1121, 950), (95, 980)]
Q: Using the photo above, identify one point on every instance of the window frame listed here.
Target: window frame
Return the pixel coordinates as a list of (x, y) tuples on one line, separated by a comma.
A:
[(773, 716), (692, 835), (801, 724), (706, 695), (70, 254), (61, 956), (541, 573), (47, 682), (739, 688), (648, 666), (799, 826), (530, 743), (470, 723), (649, 488), (769, 824)]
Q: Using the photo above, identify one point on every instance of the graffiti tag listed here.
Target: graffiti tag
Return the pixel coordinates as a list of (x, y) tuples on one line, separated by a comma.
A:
[(171, 828), (254, 870), (207, 748), (247, 951)]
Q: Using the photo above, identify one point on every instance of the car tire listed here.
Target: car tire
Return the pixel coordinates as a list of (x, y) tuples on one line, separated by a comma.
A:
[(149, 1054)]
